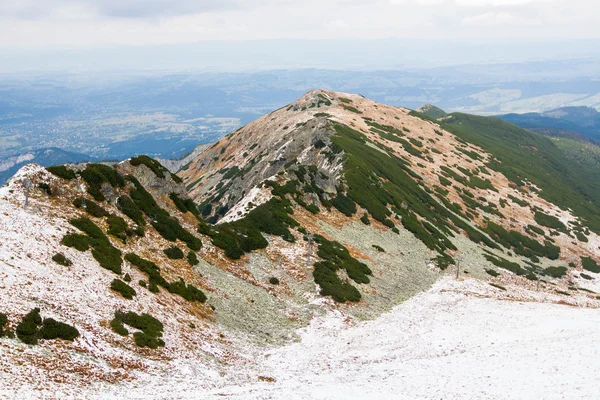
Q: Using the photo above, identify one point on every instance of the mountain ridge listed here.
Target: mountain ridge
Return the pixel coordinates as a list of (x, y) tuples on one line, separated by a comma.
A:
[(217, 255)]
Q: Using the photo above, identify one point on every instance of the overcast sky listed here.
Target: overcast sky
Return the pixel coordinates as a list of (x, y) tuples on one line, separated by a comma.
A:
[(90, 23)]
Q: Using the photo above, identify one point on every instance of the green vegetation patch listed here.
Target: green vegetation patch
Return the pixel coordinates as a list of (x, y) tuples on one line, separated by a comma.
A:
[(103, 251), (555, 272), (95, 175), (192, 258), (507, 265), (184, 205), (119, 286), (522, 244), (91, 207), (151, 163), (32, 328), (549, 221), (150, 329), (60, 259), (118, 228), (3, 331), (351, 109), (244, 235), (62, 172), (337, 257), (174, 253), (589, 264), (187, 291), (167, 226), (129, 208)]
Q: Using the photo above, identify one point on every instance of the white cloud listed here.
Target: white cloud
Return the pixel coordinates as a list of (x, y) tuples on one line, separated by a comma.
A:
[(498, 19), (105, 22)]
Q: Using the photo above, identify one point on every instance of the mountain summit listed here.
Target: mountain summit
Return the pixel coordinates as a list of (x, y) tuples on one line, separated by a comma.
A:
[(331, 204)]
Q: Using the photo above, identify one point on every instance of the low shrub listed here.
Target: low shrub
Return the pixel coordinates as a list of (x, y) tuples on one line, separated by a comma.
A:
[(273, 281), (142, 339), (28, 329), (32, 328), (95, 175), (118, 228), (549, 221), (344, 204), (126, 291), (3, 331), (52, 329), (60, 259), (492, 272), (586, 276), (45, 187), (108, 257), (127, 278), (365, 219), (62, 172), (555, 272), (118, 327), (378, 248), (76, 241), (174, 253), (151, 163), (590, 264), (129, 208), (192, 258), (91, 207)]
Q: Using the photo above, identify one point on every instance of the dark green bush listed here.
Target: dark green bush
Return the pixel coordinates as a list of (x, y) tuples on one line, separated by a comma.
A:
[(60, 258), (118, 327), (91, 207), (76, 241), (28, 331), (62, 172), (151, 328), (52, 329), (312, 208), (118, 228), (129, 208), (142, 339), (174, 253), (97, 174), (273, 281), (507, 265), (45, 187), (586, 276), (549, 221), (151, 163), (109, 258), (492, 272), (153, 288), (97, 237), (590, 264), (187, 291), (184, 205), (344, 204), (365, 219), (192, 258), (379, 248), (127, 278), (497, 286), (555, 272), (3, 322), (119, 286)]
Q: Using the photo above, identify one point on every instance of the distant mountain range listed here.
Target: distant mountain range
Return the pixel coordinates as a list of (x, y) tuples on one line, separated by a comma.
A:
[(570, 122)]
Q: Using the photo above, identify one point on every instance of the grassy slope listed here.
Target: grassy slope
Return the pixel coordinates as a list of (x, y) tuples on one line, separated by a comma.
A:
[(527, 155)]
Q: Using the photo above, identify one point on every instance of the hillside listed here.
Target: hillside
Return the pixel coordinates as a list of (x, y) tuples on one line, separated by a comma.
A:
[(145, 273)]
